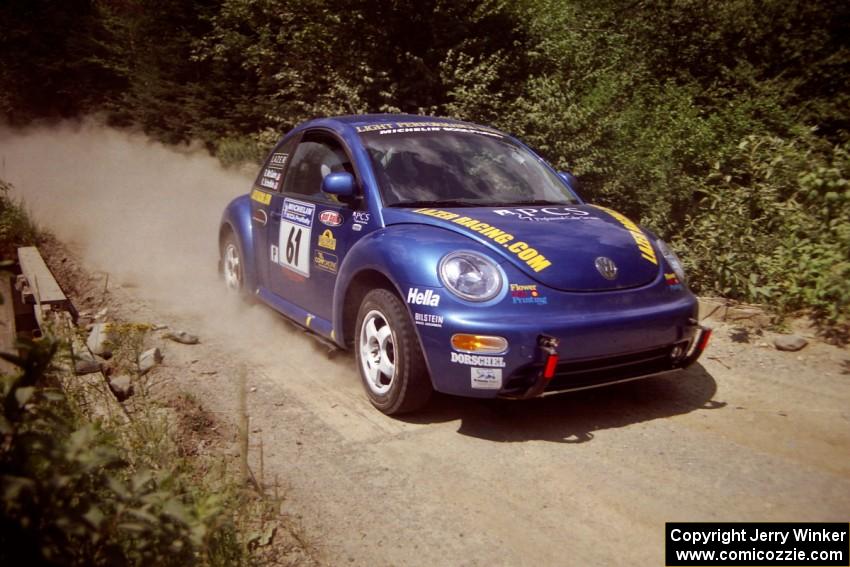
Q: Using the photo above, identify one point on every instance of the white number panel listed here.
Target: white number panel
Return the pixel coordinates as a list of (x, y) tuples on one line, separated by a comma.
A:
[(296, 227)]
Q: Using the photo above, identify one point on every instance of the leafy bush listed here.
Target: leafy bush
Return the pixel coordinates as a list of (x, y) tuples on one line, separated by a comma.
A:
[(773, 226), (70, 496), (16, 227)]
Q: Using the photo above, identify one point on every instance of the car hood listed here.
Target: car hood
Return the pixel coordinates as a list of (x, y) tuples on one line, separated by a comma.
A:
[(570, 248)]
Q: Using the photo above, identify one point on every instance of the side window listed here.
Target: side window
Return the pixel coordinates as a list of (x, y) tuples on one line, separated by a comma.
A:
[(271, 175), (314, 158)]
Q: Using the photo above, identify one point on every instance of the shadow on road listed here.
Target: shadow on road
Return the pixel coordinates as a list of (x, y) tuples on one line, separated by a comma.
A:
[(574, 417)]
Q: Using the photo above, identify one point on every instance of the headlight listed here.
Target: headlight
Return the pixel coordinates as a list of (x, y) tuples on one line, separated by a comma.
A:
[(470, 276), (672, 259)]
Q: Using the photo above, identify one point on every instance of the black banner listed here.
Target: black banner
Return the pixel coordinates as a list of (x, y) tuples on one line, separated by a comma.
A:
[(758, 544)]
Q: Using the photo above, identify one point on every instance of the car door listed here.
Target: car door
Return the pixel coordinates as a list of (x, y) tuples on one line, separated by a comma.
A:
[(309, 231), (267, 185)]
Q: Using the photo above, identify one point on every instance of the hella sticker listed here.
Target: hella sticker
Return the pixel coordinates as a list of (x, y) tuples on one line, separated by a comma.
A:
[(427, 297)]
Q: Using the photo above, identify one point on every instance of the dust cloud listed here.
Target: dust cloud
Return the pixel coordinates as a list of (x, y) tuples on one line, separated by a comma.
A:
[(146, 214)]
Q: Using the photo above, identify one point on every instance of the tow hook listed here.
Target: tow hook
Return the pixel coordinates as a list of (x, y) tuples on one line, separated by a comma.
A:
[(700, 343), (548, 347)]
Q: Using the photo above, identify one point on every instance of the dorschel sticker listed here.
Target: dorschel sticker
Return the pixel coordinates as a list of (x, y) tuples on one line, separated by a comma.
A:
[(361, 217), (327, 240), (546, 214), (478, 360), (534, 259), (275, 254), (427, 297), (521, 293), (486, 378), (643, 244), (325, 261), (428, 319), (330, 218), (261, 197), (278, 160)]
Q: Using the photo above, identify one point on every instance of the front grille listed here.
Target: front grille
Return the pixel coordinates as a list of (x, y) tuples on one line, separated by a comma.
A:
[(571, 375)]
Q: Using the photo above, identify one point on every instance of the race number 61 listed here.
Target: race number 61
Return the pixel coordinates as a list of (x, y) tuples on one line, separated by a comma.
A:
[(294, 242)]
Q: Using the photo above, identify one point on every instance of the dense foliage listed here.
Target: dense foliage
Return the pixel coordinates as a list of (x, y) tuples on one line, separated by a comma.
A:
[(70, 494), (721, 124), (16, 228)]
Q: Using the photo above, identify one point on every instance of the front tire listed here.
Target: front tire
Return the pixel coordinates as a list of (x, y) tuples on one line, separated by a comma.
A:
[(391, 364)]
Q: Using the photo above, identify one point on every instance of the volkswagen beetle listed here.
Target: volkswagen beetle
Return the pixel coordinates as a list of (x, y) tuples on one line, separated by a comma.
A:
[(451, 257)]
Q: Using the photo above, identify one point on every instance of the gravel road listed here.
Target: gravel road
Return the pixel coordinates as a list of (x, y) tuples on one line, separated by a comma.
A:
[(590, 478)]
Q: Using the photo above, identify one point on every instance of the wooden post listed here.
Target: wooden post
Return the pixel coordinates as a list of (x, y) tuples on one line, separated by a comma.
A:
[(242, 411)]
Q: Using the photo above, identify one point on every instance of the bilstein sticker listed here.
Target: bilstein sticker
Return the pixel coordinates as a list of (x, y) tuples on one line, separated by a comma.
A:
[(428, 319), (646, 250), (478, 360), (534, 259)]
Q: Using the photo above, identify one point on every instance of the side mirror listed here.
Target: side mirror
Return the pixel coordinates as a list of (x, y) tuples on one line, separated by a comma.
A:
[(340, 184)]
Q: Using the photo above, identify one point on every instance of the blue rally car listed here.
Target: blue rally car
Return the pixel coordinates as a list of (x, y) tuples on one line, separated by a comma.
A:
[(451, 257)]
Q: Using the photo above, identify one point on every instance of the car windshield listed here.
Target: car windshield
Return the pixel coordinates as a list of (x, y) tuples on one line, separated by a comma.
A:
[(459, 166)]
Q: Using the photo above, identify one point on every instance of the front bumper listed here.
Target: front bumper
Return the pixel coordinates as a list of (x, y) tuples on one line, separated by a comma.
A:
[(554, 376), (598, 339)]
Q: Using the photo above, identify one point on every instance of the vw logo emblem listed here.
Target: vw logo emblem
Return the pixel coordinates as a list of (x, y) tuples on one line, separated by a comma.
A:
[(606, 267)]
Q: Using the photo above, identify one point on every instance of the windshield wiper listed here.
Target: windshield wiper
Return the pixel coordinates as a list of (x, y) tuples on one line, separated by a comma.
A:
[(539, 202), (444, 203)]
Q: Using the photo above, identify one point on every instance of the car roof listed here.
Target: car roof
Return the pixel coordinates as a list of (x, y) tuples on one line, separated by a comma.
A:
[(355, 121)]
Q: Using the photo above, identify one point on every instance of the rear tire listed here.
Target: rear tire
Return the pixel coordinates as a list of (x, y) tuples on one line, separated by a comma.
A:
[(390, 360), (231, 264)]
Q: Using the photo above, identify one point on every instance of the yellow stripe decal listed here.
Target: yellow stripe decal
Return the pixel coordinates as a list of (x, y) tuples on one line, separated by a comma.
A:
[(261, 196)]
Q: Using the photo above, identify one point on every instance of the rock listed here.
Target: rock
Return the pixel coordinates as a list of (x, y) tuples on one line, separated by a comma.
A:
[(85, 363), (182, 337), (789, 343), (158, 327), (122, 387), (149, 359), (100, 339), (102, 313)]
